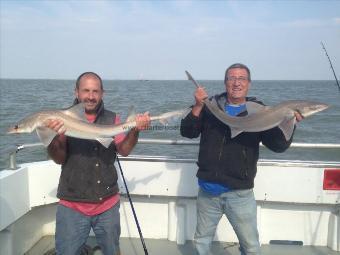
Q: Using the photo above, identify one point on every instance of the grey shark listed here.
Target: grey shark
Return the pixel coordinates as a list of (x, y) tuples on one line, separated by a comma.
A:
[(261, 118), (77, 126)]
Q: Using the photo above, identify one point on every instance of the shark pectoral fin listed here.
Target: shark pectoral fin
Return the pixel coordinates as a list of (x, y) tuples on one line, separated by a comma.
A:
[(105, 141), (164, 122), (235, 132), (45, 135), (131, 114), (287, 127)]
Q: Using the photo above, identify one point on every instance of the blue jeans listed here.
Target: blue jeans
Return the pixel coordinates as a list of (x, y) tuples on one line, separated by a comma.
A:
[(73, 229), (240, 208)]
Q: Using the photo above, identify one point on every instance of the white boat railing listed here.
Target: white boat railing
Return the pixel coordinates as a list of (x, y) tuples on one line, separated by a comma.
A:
[(13, 162)]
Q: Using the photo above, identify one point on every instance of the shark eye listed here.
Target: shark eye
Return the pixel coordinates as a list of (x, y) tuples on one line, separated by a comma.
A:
[(16, 127)]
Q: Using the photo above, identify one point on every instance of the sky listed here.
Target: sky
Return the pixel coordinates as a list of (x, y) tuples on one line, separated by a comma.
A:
[(159, 40)]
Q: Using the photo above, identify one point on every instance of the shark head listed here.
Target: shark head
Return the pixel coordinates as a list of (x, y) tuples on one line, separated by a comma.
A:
[(308, 108), (26, 125)]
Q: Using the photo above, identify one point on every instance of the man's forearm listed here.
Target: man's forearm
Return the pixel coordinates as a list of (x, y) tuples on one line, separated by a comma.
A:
[(126, 146), (275, 140), (57, 149)]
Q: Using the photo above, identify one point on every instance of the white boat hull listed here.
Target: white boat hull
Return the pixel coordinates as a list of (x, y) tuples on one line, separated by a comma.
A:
[(291, 203)]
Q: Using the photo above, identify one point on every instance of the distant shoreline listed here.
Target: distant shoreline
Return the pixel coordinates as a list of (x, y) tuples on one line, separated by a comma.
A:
[(150, 80)]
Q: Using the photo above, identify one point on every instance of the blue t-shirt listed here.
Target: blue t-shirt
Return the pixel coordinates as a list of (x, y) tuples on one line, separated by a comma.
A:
[(216, 188), (234, 110)]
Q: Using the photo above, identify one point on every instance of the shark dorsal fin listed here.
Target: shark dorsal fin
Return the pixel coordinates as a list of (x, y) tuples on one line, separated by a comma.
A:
[(77, 112), (131, 114), (253, 107)]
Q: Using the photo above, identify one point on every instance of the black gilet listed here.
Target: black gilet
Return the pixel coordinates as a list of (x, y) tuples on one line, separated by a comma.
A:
[(89, 174)]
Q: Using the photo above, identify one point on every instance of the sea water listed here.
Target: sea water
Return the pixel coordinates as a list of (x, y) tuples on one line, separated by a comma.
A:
[(21, 97)]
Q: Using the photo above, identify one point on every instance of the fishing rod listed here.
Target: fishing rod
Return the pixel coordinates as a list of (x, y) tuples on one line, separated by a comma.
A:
[(330, 62), (133, 208)]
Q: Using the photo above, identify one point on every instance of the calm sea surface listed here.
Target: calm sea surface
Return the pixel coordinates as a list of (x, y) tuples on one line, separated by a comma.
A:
[(22, 97)]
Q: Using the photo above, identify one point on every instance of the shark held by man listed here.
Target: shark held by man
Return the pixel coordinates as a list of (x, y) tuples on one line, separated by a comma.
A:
[(77, 126), (261, 117)]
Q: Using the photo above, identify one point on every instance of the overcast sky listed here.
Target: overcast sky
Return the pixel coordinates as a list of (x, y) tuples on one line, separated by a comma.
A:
[(160, 39)]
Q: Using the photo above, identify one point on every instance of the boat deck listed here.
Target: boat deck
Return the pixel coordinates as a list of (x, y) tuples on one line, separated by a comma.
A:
[(133, 246)]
